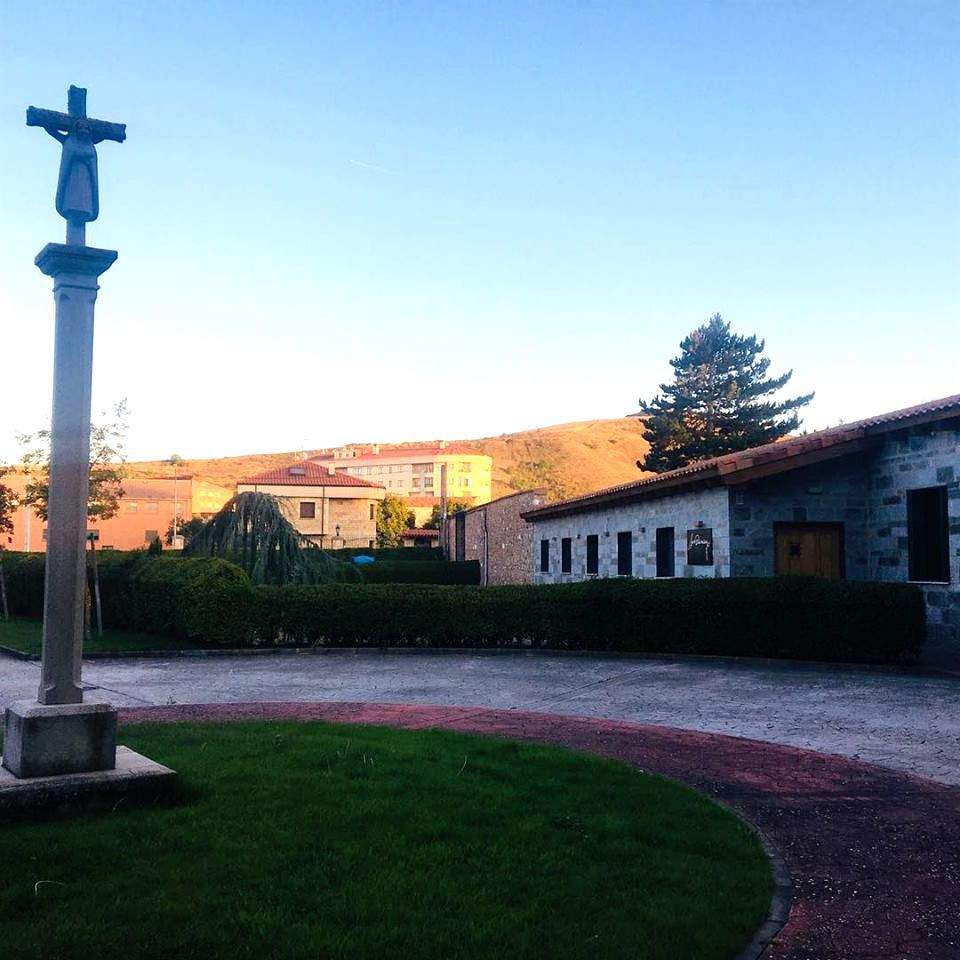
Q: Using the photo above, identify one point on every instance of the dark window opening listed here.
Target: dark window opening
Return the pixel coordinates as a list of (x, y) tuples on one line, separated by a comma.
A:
[(666, 552), (149, 536), (625, 553), (566, 555), (544, 556), (593, 553), (307, 510), (928, 535), (373, 511)]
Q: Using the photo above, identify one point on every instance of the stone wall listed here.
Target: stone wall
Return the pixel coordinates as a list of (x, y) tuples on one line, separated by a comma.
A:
[(909, 460), (682, 511), (833, 492), (867, 493), (498, 537)]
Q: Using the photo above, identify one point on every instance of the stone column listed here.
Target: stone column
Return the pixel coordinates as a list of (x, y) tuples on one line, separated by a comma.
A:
[(59, 733)]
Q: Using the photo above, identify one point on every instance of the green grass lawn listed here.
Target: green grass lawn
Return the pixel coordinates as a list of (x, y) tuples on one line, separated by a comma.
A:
[(24, 635), (321, 841)]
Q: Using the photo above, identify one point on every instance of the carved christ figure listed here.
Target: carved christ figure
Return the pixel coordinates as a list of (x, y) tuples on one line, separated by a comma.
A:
[(78, 197), (78, 194)]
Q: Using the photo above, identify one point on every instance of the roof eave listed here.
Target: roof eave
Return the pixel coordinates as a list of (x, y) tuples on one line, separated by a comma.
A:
[(644, 491)]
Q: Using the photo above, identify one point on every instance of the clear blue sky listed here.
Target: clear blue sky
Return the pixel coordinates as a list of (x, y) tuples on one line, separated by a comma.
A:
[(407, 220)]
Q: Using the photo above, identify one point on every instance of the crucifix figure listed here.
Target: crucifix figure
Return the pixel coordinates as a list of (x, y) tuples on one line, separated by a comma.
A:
[(60, 739), (60, 733), (78, 200)]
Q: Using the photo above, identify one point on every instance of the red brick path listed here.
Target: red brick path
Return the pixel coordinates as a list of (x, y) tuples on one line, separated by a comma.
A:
[(874, 855)]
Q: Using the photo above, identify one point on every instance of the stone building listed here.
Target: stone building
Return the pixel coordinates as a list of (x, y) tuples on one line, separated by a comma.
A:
[(874, 500), (331, 509), (496, 535)]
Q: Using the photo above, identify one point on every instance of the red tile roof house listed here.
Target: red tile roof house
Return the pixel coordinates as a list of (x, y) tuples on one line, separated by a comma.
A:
[(331, 509), (878, 499)]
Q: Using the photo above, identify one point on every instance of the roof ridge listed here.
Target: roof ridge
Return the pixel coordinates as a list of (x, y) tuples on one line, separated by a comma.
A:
[(786, 446)]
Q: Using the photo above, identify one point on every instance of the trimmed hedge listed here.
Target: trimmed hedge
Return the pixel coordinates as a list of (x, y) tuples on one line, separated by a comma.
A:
[(406, 554), (212, 601), (421, 571), (204, 599), (794, 618)]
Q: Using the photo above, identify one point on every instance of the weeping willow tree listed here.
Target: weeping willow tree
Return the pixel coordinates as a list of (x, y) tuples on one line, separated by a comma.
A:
[(252, 531)]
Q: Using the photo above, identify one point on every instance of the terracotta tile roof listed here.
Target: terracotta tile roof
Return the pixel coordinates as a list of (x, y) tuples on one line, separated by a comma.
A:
[(421, 532), (788, 454), (421, 501), (306, 473)]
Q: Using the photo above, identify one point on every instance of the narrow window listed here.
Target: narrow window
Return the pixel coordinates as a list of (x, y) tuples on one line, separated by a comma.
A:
[(373, 511), (666, 552), (308, 510), (928, 535), (566, 555), (544, 556), (593, 553), (625, 553)]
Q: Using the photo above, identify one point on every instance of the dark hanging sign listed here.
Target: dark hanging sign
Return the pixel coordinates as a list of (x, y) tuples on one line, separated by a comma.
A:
[(700, 547)]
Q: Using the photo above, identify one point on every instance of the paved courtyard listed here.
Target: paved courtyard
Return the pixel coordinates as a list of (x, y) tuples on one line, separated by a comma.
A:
[(905, 721)]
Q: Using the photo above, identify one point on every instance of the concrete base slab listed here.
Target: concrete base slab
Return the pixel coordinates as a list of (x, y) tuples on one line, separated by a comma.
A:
[(135, 779), (42, 740)]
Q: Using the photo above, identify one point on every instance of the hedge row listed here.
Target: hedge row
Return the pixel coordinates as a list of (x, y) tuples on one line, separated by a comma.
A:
[(421, 571), (212, 601), (807, 619), (406, 554)]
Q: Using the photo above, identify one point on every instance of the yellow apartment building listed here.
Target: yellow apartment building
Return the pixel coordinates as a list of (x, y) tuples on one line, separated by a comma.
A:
[(416, 473)]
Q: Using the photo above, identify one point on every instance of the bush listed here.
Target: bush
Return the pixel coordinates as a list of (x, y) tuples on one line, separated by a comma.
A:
[(793, 618), (212, 600), (407, 554), (199, 599), (423, 571)]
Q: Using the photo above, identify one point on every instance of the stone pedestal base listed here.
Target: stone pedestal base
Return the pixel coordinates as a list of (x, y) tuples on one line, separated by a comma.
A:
[(135, 780), (49, 740)]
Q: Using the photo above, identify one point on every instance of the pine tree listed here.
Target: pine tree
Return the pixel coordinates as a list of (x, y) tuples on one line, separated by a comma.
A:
[(720, 401)]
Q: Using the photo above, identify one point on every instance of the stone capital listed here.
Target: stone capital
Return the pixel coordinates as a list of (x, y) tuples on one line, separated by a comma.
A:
[(60, 259)]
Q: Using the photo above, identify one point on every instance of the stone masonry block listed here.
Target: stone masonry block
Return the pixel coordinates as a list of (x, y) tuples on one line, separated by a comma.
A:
[(43, 740)]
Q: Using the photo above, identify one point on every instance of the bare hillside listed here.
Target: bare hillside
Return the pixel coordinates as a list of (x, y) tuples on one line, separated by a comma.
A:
[(567, 458)]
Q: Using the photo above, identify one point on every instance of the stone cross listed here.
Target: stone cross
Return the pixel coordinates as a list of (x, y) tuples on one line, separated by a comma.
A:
[(60, 734), (78, 195)]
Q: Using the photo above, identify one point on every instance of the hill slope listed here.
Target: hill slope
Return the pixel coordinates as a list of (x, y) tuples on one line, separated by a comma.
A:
[(567, 458)]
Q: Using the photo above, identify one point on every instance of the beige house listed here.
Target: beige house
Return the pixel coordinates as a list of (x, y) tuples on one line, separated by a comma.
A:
[(331, 509)]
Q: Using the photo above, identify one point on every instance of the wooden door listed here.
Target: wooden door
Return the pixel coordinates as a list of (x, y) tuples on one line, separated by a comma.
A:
[(810, 549)]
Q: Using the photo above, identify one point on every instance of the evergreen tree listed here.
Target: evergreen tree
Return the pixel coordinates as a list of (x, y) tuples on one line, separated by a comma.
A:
[(720, 401), (252, 531)]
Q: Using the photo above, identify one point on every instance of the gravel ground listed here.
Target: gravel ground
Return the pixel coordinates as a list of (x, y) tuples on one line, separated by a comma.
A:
[(903, 720)]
